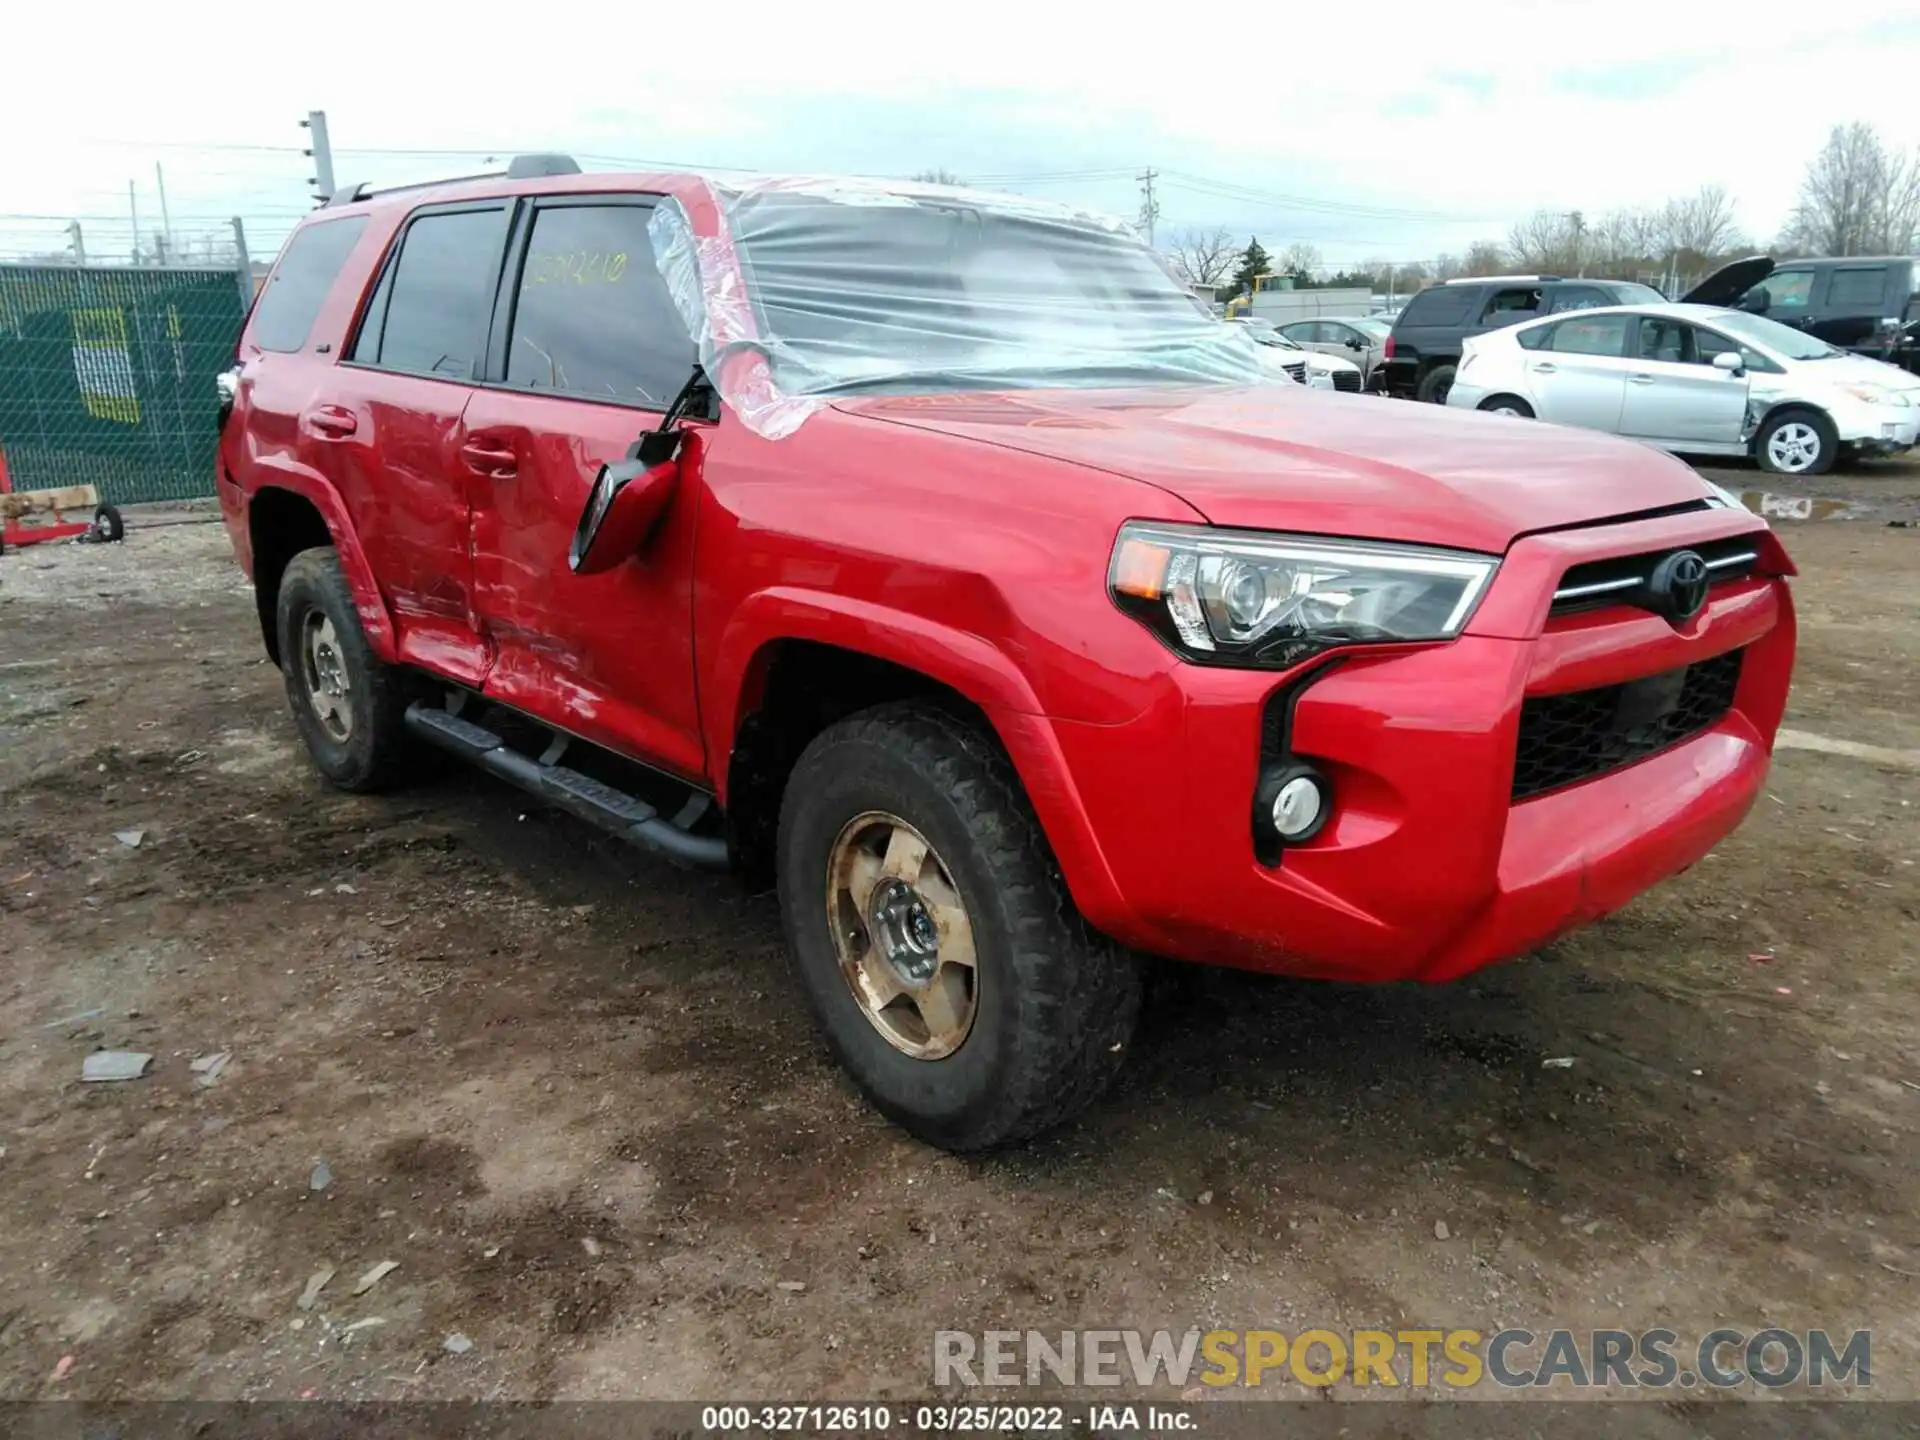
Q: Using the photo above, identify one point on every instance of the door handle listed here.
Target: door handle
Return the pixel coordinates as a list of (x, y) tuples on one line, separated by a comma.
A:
[(1543, 368), (1641, 379), (490, 457), (332, 422)]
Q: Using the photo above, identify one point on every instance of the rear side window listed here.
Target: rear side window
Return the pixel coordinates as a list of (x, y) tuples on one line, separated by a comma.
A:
[(1597, 335), (429, 314), (292, 300), (1440, 305), (1863, 285), (1506, 306), (591, 316), (1577, 297)]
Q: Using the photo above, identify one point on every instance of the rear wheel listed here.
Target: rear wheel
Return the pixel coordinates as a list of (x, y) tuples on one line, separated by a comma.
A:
[(1796, 442), (349, 707), (1511, 405), (1435, 384), (108, 527), (934, 936)]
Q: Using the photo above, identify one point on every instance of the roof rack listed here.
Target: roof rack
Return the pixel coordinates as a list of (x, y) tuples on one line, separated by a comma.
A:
[(521, 167)]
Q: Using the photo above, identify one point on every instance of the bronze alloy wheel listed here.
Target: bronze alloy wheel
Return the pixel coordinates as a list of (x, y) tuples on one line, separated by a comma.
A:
[(329, 690), (904, 940)]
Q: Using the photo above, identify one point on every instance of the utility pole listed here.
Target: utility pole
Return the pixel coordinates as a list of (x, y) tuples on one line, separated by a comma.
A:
[(322, 153), (166, 223), (1149, 207), (133, 209), (79, 242), (243, 262)]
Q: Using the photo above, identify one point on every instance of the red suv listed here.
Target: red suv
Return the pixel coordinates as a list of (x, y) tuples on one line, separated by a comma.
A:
[(936, 554)]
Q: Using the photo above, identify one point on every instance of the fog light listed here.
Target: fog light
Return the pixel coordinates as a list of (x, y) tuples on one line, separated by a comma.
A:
[(1296, 807), (1292, 805)]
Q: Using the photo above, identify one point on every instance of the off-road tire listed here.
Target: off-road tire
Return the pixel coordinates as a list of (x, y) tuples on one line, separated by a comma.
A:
[(374, 754), (1435, 384), (1057, 1003), (1814, 420)]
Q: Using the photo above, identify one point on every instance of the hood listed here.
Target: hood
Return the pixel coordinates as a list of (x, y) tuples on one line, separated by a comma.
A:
[(1730, 282), (1282, 457)]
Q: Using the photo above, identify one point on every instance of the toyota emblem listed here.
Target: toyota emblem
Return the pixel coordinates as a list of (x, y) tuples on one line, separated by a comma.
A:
[(1678, 585)]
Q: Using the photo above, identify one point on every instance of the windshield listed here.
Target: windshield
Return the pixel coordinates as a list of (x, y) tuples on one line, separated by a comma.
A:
[(1378, 329), (924, 293), (1782, 340)]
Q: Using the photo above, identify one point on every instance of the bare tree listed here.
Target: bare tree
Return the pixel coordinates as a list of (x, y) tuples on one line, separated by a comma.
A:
[(1484, 257), (939, 176), (1205, 257), (1546, 241), (1300, 259), (1857, 197), (1702, 222), (1448, 267)]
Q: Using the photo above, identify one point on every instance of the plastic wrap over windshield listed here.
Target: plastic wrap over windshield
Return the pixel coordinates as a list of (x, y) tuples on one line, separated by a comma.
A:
[(814, 289)]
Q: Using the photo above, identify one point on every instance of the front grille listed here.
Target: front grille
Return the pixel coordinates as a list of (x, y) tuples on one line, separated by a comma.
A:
[(1565, 739), (1346, 380), (1617, 581), (1296, 370)]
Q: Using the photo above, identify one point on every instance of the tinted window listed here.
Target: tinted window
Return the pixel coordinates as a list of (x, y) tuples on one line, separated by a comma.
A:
[(291, 302), (1578, 297), (1599, 335), (1506, 306), (1788, 289), (592, 315), (1631, 292), (1668, 341), (429, 315), (1862, 286), (1710, 343), (1439, 305)]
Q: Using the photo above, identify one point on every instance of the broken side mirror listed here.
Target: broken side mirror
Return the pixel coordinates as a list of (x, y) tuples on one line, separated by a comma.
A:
[(624, 508)]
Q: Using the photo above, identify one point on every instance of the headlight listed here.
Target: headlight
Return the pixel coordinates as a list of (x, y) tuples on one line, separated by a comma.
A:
[(1874, 394), (1251, 599)]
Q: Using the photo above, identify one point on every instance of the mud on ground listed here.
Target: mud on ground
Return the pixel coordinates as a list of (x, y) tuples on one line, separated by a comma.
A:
[(574, 1096)]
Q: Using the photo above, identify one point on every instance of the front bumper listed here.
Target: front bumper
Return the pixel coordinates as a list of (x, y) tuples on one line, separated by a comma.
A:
[(1427, 869)]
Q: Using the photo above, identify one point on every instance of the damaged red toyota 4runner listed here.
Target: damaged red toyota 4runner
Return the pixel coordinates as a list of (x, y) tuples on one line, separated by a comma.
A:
[(937, 555)]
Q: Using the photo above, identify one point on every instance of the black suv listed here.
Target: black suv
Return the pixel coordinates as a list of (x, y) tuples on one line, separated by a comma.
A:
[(1868, 303), (1425, 344)]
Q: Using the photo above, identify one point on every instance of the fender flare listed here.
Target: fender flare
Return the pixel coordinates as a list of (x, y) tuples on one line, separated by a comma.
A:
[(963, 662), (374, 617)]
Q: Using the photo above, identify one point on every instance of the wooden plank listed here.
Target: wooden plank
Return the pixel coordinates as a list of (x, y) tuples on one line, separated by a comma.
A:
[(46, 502)]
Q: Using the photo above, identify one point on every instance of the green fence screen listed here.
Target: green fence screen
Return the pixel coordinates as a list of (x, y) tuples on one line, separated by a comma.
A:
[(107, 377)]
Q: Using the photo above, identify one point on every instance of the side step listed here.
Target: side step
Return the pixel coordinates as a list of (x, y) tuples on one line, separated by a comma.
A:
[(615, 811)]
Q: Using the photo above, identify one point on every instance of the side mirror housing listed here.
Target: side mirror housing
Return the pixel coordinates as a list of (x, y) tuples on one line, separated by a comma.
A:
[(624, 508), (1729, 361), (1756, 301)]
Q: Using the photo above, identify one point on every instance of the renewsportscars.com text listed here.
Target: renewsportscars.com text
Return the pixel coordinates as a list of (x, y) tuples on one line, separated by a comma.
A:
[(1511, 1359)]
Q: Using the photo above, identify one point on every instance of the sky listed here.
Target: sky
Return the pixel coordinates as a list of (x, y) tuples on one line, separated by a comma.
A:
[(1388, 130)]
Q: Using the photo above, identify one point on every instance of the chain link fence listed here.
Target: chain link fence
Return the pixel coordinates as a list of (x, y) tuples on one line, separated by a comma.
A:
[(107, 377)]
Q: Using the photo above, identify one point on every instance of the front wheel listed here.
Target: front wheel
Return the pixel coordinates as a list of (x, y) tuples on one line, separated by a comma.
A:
[(1509, 405), (1796, 442), (934, 936)]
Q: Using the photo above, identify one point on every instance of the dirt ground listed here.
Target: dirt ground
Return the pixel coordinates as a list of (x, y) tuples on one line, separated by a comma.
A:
[(573, 1094)]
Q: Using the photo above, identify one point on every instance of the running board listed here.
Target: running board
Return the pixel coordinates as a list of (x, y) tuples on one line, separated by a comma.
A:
[(615, 811)]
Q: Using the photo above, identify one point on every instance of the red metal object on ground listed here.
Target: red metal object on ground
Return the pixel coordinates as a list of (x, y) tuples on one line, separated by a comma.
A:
[(13, 532)]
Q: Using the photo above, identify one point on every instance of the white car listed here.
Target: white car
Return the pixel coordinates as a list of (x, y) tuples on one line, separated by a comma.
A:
[(1695, 379), (1316, 371)]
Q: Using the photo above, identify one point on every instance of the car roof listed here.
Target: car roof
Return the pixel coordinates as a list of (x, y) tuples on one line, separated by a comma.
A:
[(1706, 314), (1850, 260)]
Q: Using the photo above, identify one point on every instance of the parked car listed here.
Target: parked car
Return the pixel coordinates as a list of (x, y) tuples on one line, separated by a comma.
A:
[(1869, 304), (1698, 379), (1359, 340), (1425, 344), (1297, 362), (931, 554)]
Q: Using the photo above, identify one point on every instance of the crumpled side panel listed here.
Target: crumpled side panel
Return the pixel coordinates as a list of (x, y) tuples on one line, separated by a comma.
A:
[(703, 276)]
